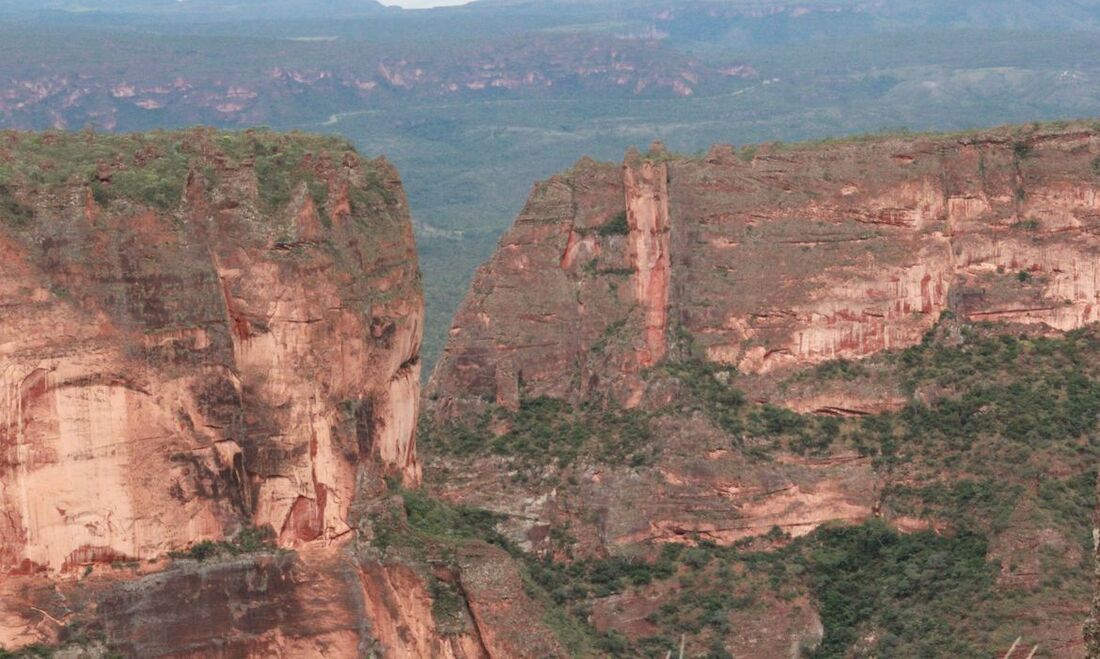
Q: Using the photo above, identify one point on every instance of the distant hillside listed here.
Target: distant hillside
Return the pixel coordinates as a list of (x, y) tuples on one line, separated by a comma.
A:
[(195, 10)]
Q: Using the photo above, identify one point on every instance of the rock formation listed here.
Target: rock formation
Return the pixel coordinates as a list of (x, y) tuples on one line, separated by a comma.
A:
[(169, 373), (633, 287), (671, 372), (790, 257), (209, 362)]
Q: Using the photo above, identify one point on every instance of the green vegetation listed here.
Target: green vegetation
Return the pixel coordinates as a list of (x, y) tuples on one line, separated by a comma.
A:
[(546, 431), (13, 212), (283, 163), (916, 593), (616, 226), (249, 540), (153, 172), (836, 369), (152, 168)]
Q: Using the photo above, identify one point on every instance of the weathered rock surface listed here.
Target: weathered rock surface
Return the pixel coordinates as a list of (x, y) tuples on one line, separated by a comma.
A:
[(202, 333), (171, 372), (790, 257), (759, 264)]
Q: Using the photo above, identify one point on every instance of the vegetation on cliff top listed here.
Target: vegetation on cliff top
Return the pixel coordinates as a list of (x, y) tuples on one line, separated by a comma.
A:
[(151, 168)]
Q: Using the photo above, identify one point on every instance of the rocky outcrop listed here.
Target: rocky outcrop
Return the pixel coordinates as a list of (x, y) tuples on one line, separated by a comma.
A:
[(646, 190), (202, 333), (780, 258), (171, 372), (629, 369)]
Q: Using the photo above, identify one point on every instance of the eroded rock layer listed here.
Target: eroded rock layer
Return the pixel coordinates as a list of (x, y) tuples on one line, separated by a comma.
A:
[(209, 362), (754, 348), (779, 258)]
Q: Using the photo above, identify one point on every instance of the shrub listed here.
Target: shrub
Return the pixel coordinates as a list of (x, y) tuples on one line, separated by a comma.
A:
[(616, 226), (249, 540), (547, 431), (13, 212), (914, 593)]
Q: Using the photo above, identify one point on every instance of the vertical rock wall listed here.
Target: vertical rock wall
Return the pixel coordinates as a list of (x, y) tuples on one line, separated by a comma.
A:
[(646, 186), (793, 256), (170, 373)]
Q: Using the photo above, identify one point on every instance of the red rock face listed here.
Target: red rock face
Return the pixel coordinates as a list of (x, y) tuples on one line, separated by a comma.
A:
[(795, 256), (646, 188), (168, 374), (243, 354), (171, 371), (761, 265)]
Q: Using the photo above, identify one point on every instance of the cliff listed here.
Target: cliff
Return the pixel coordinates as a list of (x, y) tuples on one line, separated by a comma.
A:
[(776, 258), (745, 348), (200, 330), (834, 397), (209, 370)]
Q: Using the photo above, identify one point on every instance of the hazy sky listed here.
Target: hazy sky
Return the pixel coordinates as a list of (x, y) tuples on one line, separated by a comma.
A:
[(420, 4)]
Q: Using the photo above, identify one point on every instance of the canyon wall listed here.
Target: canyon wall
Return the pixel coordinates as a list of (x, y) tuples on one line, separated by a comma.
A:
[(209, 362), (779, 258), (697, 351), (170, 372)]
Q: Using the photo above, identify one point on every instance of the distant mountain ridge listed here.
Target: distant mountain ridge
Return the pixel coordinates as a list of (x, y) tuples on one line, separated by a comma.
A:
[(203, 10)]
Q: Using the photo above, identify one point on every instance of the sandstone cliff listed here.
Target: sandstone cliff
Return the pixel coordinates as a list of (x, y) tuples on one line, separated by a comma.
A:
[(184, 350), (739, 348), (781, 257), (209, 379)]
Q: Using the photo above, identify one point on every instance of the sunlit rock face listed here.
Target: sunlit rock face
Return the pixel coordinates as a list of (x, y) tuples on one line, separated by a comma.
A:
[(761, 263), (779, 258), (229, 352), (201, 333)]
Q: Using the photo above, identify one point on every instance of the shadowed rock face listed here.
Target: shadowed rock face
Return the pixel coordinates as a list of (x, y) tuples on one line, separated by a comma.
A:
[(791, 257)]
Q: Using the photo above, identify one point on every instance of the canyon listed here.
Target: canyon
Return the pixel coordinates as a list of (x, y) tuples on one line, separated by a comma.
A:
[(749, 401)]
